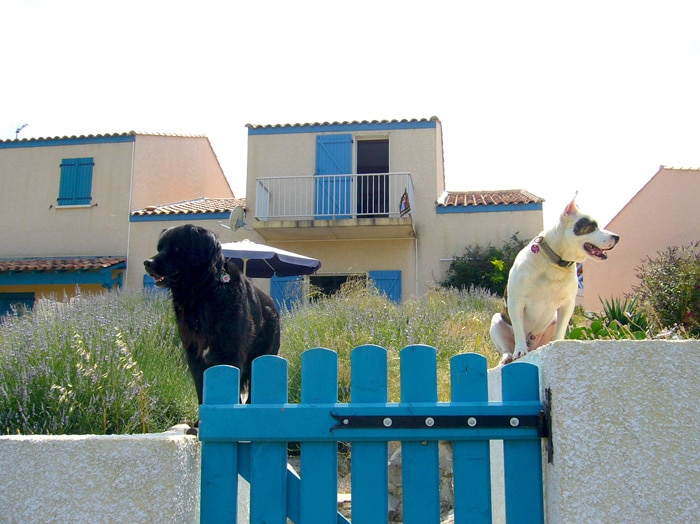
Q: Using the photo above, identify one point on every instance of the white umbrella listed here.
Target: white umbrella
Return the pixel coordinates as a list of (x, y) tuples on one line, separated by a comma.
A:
[(260, 261)]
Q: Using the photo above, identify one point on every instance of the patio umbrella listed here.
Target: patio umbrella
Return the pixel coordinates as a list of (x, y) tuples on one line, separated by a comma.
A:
[(260, 261)]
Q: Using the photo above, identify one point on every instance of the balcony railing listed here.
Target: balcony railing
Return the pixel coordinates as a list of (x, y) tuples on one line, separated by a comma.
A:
[(334, 197)]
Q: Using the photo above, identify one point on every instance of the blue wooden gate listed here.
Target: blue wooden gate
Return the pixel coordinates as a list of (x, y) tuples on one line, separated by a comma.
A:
[(251, 440)]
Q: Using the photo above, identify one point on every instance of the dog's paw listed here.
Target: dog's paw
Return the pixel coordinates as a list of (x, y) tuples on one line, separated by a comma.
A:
[(191, 428), (518, 354), (507, 358)]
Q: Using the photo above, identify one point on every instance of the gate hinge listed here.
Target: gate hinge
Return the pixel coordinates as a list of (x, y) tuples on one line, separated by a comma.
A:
[(545, 423)]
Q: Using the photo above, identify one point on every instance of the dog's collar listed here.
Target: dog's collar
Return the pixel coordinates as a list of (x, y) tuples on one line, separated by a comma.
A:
[(556, 259), (225, 277)]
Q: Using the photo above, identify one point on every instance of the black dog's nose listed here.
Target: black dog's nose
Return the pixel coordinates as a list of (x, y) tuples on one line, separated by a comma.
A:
[(148, 264)]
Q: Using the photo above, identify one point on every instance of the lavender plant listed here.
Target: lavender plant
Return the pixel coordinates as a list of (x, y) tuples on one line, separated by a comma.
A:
[(112, 363), (103, 364)]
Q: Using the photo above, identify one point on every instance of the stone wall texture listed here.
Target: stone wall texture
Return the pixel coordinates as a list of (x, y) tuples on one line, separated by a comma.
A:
[(625, 430)]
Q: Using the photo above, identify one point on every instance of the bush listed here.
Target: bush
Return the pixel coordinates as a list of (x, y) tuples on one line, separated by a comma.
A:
[(484, 267), (669, 291), (620, 320)]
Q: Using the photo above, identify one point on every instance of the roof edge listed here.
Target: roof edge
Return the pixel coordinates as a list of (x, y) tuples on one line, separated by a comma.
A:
[(354, 125), (99, 138)]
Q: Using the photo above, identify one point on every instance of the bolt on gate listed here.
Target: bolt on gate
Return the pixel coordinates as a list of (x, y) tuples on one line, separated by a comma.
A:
[(251, 440)]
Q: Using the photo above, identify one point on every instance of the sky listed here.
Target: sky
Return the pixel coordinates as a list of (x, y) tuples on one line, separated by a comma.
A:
[(552, 97)]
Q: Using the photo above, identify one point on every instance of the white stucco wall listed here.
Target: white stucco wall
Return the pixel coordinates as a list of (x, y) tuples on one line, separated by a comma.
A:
[(151, 478), (100, 479), (624, 429)]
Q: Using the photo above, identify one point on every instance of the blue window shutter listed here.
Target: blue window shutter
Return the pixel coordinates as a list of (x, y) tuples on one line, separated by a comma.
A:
[(333, 154), (286, 291), (76, 181), (149, 282), (388, 283), (333, 194)]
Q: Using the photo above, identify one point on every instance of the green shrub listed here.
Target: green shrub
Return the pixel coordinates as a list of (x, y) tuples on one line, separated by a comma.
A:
[(484, 267), (626, 312), (619, 320), (669, 289)]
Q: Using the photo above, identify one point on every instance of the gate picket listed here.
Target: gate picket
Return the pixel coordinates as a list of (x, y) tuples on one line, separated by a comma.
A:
[(522, 459), (319, 460), (220, 459), (268, 472), (370, 476), (471, 459), (420, 472)]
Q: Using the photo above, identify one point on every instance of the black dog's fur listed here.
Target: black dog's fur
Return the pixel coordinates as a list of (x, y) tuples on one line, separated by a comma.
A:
[(222, 317)]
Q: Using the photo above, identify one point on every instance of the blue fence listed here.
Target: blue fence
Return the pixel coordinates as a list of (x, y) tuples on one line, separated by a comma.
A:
[(251, 440)]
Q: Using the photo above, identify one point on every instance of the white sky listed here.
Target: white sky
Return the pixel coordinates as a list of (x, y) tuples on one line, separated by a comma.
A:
[(547, 96)]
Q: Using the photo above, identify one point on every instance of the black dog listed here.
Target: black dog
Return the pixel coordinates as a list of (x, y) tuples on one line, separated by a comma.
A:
[(222, 317)]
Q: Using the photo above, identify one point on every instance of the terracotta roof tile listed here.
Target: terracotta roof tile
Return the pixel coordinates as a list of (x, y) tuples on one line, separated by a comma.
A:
[(60, 264), (488, 198), (192, 207), (394, 121)]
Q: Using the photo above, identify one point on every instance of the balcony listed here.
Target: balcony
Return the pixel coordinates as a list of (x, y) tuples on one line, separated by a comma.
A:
[(323, 207)]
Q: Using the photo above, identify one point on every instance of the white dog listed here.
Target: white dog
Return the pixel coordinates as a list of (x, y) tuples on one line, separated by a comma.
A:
[(542, 284)]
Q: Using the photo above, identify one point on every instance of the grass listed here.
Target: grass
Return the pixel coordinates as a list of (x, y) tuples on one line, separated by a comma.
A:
[(112, 363)]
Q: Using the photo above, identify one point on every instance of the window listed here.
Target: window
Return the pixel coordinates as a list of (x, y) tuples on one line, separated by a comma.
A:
[(76, 182), (287, 291), (327, 285), (387, 282), (373, 187), (16, 303)]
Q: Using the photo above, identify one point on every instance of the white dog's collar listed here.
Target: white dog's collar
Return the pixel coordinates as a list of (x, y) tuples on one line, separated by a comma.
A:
[(556, 259)]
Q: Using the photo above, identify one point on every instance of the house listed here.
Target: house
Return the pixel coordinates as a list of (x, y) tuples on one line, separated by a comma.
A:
[(665, 212), (66, 206), (368, 199)]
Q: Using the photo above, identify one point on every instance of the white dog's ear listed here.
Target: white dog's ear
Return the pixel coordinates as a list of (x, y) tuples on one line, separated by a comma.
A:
[(572, 207)]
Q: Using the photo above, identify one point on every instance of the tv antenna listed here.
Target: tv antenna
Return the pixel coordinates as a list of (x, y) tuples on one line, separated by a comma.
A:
[(19, 129)]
